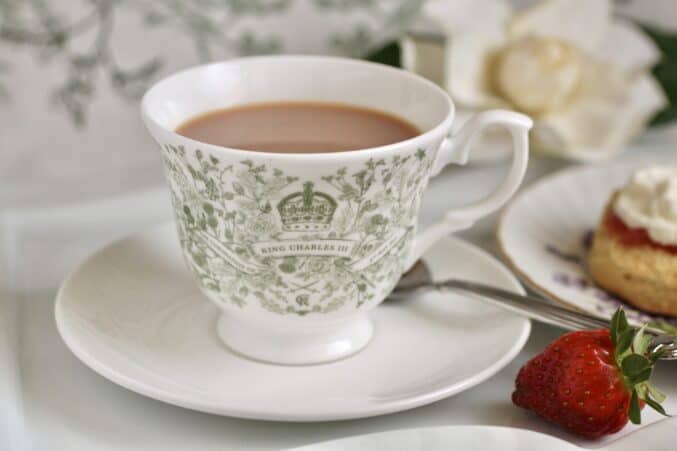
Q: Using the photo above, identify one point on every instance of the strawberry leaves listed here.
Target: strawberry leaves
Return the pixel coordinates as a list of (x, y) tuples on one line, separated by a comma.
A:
[(624, 341), (619, 323), (621, 334), (655, 405), (634, 364), (655, 393), (636, 368), (641, 342), (635, 414), (635, 361)]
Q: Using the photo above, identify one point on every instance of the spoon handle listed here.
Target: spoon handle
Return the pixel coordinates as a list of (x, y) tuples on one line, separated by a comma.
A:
[(531, 307)]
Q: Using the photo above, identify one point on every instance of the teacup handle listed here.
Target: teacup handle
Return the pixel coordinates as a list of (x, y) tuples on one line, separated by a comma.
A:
[(455, 149)]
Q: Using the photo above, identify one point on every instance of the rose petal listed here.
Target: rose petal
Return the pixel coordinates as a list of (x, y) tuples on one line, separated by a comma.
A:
[(467, 77), (628, 47), (611, 109), (464, 73), (583, 23), (460, 15)]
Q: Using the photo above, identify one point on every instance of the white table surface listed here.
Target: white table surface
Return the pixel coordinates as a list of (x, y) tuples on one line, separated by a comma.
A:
[(51, 401)]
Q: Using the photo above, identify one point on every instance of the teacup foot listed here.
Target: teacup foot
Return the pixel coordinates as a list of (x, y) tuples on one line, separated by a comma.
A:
[(332, 341)]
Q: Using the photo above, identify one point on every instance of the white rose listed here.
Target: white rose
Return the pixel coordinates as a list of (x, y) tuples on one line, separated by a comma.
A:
[(537, 74), (581, 74)]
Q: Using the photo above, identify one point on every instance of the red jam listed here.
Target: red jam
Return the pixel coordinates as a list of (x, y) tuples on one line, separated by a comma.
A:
[(633, 237)]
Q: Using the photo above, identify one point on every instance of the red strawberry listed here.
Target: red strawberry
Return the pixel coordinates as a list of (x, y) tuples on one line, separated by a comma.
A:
[(591, 382)]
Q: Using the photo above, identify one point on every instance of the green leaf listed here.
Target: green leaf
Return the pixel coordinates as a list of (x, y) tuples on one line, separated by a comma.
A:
[(642, 376), (614, 326), (624, 340), (635, 411), (634, 364), (641, 341), (623, 324), (641, 390), (655, 393), (655, 406)]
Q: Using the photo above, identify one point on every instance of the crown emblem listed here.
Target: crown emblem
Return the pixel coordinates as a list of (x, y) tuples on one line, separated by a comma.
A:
[(307, 210)]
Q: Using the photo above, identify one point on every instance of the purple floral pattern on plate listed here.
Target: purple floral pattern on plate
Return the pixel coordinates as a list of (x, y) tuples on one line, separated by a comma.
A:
[(580, 280)]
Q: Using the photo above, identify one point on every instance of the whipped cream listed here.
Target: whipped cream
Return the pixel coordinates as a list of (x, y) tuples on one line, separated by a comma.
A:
[(649, 201)]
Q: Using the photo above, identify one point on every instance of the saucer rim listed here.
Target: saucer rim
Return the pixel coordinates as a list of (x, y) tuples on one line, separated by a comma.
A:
[(71, 340)]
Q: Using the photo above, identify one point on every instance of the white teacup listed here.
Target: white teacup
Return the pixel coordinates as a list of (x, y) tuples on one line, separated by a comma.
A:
[(295, 249)]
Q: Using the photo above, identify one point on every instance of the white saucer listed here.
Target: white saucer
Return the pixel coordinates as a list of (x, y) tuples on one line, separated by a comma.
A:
[(133, 314), (545, 231), (657, 437)]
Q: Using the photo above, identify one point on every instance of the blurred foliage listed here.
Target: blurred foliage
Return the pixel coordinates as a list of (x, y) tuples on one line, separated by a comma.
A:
[(389, 54), (82, 46), (665, 72)]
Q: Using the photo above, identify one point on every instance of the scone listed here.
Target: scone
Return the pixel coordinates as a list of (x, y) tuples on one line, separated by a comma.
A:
[(634, 251)]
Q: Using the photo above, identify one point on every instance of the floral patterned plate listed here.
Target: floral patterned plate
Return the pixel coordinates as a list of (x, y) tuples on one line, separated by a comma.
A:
[(546, 230), (133, 313)]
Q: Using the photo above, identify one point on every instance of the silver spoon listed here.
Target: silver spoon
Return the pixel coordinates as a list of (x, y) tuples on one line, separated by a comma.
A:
[(418, 279)]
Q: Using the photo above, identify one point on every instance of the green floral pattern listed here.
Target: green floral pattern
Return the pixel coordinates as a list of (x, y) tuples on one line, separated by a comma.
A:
[(253, 233)]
